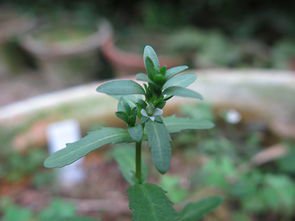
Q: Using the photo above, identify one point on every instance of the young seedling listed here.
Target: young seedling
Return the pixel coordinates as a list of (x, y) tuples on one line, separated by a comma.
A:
[(141, 108)]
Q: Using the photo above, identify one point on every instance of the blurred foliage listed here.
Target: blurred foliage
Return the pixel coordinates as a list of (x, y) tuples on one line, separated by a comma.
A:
[(57, 209), (268, 20), (172, 185), (283, 53), (230, 33), (286, 164), (16, 165), (267, 190)]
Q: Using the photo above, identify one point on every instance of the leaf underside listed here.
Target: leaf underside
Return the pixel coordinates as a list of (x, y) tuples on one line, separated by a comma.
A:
[(175, 70), (160, 143), (150, 53), (142, 77), (182, 92), (177, 124), (149, 202), (136, 132), (120, 87), (195, 211), (93, 140), (182, 80)]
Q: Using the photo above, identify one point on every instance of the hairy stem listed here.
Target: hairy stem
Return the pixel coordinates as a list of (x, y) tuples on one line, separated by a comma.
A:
[(138, 163)]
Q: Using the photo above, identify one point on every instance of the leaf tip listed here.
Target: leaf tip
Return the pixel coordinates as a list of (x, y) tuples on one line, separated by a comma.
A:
[(47, 163), (163, 169)]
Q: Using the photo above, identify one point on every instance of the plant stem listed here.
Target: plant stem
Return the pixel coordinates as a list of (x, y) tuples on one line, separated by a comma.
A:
[(138, 163)]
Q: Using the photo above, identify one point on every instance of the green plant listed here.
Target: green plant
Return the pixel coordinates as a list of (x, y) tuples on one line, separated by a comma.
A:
[(141, 108)]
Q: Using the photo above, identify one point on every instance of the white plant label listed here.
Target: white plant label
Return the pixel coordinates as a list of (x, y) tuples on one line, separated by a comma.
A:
[(58, 135)]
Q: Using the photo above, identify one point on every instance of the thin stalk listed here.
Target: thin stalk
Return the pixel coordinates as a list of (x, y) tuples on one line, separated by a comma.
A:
[(138, 163)]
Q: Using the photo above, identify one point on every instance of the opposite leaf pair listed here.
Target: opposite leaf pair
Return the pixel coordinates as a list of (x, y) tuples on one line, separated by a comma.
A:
[(144, 115)]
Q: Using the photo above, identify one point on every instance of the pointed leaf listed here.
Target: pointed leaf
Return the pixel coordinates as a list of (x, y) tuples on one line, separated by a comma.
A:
[(175, 70), (150, 53), (196, 211), (159, 141), (122, 115), (93, 140), (120, 87), (182, 92), (150, 68), (183, 80), (142, 77), (149, 202), (124, 156), (136, 132), (176, 124)]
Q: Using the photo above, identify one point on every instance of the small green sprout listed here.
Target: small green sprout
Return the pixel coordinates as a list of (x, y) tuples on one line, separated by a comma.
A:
[(141, 106)]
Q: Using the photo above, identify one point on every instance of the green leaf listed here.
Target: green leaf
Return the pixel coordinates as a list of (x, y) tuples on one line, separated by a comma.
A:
[(195, 211), (159, 141), (129, 100), (150, 53), (149, 202), (124, 156), (136, 132), (182, 92), (176, 124), (175, 70), (93, 140), (183, 80), (150, 68), (14, 213), (120, 87), (58, 210), (142, 77), (122, 115)]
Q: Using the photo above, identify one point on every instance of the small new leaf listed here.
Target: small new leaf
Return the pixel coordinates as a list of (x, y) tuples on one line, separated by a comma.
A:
[(92, 141), (120, 87), (195, 211), (159, 141), (176, 124), (175, 70), (142, 77), (122, 115), (150, 68), (182, 92), (183, 80), (136, 132), (149, 52), (149, 202)]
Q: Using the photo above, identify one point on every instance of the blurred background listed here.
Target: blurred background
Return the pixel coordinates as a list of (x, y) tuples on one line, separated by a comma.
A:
[(54, 53)]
